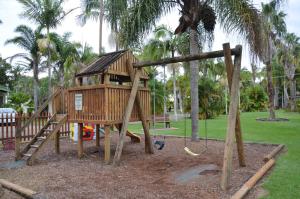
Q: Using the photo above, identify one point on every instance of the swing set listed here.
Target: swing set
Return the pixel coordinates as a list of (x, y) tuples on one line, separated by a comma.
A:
[(233, 124)]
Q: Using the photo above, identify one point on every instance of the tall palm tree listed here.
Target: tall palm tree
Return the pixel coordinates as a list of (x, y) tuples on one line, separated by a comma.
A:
[(289, 57), (109, 10), (274, 26), (47, 14), (171, 44), (234, 16), (28, 40), (93, 9)]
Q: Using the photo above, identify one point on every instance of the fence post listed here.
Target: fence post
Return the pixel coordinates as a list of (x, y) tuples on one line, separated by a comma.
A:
[(18, 135)]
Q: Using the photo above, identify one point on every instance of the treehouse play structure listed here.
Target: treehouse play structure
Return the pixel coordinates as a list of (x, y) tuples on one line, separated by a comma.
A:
[(112, 91)]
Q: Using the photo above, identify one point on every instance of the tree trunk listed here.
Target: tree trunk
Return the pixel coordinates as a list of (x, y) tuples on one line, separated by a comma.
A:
[(276, 97), (180, 100), (101, 25), (49, 70), (270, 91), (194, 74), (36, 87), (116, 38), (174, 92), (286, 96), (292, 95), (253, 70), (49, 64), (62, 75)]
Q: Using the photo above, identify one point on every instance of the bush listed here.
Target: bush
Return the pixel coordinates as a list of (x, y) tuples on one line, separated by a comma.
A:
[(16, 100), (253, 99), (211, 101)]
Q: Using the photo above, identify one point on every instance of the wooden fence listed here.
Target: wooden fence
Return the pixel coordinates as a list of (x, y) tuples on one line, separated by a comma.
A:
[(10, 122)]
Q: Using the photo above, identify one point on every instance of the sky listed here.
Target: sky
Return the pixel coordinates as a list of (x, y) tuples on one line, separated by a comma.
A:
[(10, 15)]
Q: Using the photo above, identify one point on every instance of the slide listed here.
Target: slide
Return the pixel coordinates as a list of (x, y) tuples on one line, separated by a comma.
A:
[(133, 137)]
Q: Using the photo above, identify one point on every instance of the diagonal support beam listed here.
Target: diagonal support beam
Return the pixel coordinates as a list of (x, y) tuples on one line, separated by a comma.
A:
[(231, 124), (229, 69), (148, 142), (126, 117)]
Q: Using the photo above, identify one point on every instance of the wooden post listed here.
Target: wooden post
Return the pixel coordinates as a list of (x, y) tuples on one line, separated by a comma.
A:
[(229, 69), (106, 78), (79, 81), (26, 193), (253, 180), (231, 122), (57, 145), (126, 117), (107, 144), (148, 142), (97, 136), (18, 137), (80, 140)]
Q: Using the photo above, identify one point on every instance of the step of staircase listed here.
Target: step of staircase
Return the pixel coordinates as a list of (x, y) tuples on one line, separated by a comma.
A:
[(34, 146), (27, 155), (41, 138)]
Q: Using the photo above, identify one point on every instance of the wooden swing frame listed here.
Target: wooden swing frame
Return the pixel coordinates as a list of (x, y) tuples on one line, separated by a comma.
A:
[(233, 123)]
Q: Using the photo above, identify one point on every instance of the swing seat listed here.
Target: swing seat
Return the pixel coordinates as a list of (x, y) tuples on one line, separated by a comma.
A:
[(188, 151), (159, 144)]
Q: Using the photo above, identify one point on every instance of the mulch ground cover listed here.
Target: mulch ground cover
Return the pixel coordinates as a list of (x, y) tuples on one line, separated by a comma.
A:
[(169, 173)]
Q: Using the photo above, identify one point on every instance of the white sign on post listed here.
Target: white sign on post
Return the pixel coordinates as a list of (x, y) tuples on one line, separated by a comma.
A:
[(78, 102)]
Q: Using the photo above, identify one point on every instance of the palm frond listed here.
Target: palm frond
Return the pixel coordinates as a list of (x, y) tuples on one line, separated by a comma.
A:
[(243, 17)]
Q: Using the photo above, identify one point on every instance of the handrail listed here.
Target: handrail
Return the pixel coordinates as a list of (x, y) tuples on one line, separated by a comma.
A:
[(38, 112)]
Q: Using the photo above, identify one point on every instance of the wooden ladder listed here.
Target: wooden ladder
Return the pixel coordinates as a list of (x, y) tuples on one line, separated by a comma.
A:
[(52, 127)]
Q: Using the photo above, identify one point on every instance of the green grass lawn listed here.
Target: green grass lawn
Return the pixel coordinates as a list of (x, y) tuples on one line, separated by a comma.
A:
[(284, 181)]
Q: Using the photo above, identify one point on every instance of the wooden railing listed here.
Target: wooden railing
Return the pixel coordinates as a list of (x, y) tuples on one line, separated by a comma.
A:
[(9, 124), (105, 103)]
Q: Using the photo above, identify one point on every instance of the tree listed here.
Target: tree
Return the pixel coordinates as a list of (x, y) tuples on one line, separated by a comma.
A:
[(46, 14), (273, 27), (289, 57), (166, 44), (240, 16), (109, 10), (93, 9), (65, 54), (28, 40)]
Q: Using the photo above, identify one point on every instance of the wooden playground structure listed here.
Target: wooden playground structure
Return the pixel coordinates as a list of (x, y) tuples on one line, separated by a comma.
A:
[(112, 91)]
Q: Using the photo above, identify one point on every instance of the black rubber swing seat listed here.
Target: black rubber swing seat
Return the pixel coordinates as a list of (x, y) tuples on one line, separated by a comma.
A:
[(159, 144)]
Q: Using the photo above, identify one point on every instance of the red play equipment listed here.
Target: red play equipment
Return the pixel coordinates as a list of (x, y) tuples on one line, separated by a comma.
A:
[(88, 133)]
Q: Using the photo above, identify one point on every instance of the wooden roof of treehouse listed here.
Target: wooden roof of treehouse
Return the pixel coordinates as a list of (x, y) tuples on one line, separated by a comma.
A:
[(113, 64)]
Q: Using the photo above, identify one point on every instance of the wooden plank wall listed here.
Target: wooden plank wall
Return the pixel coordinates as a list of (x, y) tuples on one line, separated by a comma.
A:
[(94, 104), (119, 66)]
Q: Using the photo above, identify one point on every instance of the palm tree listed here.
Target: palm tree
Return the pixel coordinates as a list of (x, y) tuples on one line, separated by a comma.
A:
[(65, 54), (197, 17), (273, 27), (109, 10), (289, 57), (172, 44), (28, 40), (47, 14), (93, 9)]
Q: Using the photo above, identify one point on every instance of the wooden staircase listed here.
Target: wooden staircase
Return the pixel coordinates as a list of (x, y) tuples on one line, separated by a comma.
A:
[(51, 128)]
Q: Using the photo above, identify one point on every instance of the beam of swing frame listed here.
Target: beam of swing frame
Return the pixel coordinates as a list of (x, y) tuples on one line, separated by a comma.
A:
[(206, 55)]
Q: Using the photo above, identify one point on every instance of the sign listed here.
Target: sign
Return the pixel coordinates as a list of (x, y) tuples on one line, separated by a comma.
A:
[(78, 102)]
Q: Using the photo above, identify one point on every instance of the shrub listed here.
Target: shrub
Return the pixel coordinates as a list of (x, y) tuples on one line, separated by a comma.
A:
[(253, 99)]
